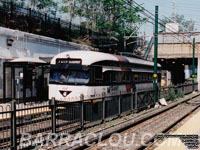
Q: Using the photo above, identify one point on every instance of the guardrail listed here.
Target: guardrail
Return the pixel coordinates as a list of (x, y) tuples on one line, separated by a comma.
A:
[(18, 120)]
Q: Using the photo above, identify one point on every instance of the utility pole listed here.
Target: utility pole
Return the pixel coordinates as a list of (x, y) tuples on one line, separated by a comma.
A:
[(174, 5), (193, 74), (155, 76)]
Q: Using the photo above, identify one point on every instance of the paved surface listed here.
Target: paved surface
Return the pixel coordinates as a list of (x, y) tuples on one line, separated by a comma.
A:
[(192, 126)]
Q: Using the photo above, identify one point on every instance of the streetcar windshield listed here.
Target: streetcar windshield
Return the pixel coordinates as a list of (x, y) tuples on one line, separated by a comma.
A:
[(72, 77)]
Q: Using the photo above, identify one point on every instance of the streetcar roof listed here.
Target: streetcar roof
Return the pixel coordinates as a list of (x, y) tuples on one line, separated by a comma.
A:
[(27, 59), (90, 57)]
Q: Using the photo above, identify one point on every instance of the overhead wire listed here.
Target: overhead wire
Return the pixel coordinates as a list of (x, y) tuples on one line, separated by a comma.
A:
[(173, 21), (152, 17)]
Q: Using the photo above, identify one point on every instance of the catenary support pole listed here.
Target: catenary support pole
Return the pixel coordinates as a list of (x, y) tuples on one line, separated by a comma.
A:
[(193, 67), (155, 76), (198, 72)]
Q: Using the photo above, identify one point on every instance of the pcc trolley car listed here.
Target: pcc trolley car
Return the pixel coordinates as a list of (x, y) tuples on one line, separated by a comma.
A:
[(92, 74)]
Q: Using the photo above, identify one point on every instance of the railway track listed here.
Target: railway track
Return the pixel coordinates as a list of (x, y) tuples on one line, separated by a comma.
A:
[(145, 132), (44, 124), (157, 121)]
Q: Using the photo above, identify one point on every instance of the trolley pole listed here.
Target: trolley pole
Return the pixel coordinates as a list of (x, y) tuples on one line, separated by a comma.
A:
[(155, 76), (193, 74)]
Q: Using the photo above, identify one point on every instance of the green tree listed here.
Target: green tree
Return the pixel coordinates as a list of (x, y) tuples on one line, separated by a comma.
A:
[(107, 17), (21, 2), (49, 6), (69, 7), (185, 25), (46, 4), (119, 19), (34, 3)]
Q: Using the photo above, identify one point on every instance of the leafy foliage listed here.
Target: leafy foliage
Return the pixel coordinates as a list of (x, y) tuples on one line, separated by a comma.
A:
[(48, 4), (107, 17), (172, 94), (180, 94)]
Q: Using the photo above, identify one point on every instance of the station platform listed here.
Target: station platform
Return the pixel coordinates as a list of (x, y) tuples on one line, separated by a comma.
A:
[(191, 127)]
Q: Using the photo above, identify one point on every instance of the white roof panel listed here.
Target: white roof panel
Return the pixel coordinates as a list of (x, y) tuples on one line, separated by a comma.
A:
[(90, 57), (26, 59)]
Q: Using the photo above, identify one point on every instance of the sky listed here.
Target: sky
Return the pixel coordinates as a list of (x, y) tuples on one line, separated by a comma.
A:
[(190, 9)]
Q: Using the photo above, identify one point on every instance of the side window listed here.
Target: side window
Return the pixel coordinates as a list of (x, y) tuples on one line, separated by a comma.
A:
[(123, 76), (146, 77), (130, 79), (98, 73), (28, 78), (117, 76), (114, 76), (106, 77), (136, 77), (127, 76), (143, 76), (140, 77), (150, 77)]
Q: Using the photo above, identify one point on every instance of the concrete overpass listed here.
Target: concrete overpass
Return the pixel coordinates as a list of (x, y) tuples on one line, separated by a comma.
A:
[(175, 52)]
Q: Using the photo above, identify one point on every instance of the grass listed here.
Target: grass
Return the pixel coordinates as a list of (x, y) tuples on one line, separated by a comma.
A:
[(173, 95), (180, 94)]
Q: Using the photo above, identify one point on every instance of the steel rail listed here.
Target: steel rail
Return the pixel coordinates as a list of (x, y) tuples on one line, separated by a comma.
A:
[(105, 133)]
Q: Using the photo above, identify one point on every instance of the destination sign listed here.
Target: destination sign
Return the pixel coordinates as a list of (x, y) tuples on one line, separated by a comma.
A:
[(68, 61)]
